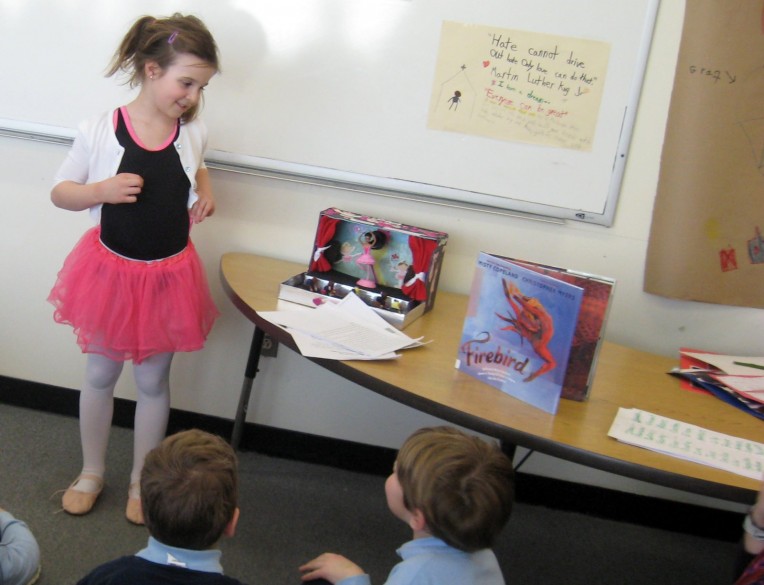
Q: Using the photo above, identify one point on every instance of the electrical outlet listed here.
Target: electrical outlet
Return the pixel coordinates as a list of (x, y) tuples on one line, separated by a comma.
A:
[(270, 347)]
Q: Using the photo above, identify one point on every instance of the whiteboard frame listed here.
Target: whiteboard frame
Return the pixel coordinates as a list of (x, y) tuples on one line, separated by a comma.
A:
[(293, 172)]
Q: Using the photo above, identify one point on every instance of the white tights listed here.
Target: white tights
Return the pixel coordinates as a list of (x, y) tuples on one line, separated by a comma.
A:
[(152, 377)]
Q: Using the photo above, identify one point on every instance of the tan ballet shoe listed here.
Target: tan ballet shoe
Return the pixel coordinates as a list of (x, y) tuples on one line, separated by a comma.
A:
[(134, 510), (77, 502)]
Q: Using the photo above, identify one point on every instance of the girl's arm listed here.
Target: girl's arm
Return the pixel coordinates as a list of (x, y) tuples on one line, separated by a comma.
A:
[(122, 188), (205, 205)]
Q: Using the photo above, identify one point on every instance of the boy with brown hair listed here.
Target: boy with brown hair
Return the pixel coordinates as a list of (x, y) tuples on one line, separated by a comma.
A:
[(189, 494), (455, 491)]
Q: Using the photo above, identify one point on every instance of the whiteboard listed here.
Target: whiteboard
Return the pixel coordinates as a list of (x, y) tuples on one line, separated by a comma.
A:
[(340, 91)]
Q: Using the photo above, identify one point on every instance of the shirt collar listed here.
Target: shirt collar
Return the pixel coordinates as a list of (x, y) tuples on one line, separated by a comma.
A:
[(207, 561), (419, 545)]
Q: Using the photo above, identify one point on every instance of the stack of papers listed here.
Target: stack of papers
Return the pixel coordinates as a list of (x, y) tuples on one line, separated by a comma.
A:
[(737, 380), (348, 330), (690, 442)]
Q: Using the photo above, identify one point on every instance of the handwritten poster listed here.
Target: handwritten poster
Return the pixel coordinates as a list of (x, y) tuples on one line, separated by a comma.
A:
[(518, 86)]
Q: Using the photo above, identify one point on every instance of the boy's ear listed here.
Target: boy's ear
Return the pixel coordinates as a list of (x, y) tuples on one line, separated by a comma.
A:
[(230, 528), (417, 521)]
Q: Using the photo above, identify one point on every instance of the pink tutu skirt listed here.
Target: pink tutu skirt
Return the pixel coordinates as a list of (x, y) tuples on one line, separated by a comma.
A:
[(131, 309)]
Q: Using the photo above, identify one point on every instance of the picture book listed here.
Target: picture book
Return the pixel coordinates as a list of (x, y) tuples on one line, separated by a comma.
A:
[(587, 340), (533, 331), (519, 330)]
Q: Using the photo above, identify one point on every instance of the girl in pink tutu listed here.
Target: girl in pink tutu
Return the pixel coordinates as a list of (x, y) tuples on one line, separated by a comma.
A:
[(134, 287)]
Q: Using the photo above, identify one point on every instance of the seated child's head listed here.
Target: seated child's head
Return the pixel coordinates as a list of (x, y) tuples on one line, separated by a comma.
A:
[(463, 486), (189, 490)]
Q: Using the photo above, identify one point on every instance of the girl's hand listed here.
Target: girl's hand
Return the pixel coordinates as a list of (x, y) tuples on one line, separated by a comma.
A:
[(203, 208), (331, 567), (122, 188)]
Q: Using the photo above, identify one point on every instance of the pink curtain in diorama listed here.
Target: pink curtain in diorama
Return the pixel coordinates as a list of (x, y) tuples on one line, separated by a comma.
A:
[(324, 234), (421, 251)]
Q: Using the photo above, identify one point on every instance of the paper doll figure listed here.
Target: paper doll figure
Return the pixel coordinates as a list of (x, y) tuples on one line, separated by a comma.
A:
[(455, 99), (346, 252), (401, 269)]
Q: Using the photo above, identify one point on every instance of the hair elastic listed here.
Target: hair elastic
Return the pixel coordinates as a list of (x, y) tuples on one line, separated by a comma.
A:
[(172, 38)]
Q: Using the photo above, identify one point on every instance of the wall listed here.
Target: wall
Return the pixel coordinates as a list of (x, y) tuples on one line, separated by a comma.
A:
[(277, 218)]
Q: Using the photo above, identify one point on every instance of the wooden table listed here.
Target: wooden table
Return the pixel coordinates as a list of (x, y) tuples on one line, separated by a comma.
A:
[(425, 378)]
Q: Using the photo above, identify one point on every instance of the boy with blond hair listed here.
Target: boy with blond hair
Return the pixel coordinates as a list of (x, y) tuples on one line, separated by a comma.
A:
[(455, 491)]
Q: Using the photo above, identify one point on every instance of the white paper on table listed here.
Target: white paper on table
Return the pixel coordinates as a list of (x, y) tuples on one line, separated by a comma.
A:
[(749, 389), (690, 442), (726, 363), (315, 347), (741, 383), (331, 332), (354, 309)]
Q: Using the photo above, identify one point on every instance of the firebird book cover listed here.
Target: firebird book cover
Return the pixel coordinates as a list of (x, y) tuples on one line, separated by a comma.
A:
[(519, 330), (587, 340)]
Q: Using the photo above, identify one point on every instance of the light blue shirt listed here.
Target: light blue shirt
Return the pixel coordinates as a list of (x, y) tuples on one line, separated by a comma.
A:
[(206, 561), (19, 552), (430, 561)]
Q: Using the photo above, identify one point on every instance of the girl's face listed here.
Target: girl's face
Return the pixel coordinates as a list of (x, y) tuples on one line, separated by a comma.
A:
[(180, 86)]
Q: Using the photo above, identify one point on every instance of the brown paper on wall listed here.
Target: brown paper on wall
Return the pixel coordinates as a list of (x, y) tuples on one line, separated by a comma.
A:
[(705, 244)]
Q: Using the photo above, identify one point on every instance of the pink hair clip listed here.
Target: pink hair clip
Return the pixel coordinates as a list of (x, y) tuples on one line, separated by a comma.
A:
[(172, 38)]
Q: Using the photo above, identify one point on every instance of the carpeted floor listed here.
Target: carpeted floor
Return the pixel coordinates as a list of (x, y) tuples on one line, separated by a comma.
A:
[(291, 511)]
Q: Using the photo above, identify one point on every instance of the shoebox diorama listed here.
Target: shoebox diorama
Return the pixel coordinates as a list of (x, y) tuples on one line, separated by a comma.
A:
[(394, 268)]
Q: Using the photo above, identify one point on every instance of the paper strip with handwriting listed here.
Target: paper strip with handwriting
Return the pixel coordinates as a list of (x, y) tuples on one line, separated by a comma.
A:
[(686, 441)]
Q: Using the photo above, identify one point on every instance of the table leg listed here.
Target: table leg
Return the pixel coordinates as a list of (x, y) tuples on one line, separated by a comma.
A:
[(250, 372), (519, 464), (508, 449)]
